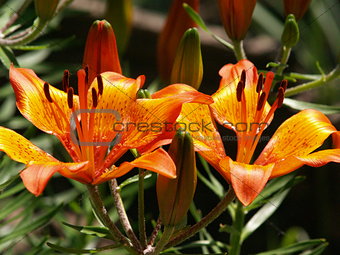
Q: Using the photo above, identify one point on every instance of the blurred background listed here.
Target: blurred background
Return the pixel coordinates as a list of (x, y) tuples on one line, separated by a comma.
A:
[(312, 208)]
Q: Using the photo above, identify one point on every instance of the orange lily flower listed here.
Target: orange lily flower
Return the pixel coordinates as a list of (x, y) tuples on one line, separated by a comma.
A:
[(236, 17), (101, 52), (95, 129), (178, 21), (241, 104)]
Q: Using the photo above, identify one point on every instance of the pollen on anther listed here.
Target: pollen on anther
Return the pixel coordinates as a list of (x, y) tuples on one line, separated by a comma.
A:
[(243, 76), (70, 93), (47, 92), (86, 75), (261, 101), (280, 97), (259, 83), (239, 90), (94, 98), (66, 80), (284, 84), (100, 84)]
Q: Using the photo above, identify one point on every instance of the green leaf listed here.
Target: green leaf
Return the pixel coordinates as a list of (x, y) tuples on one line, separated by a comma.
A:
[(195, 17), (8, 108), (318, 250), (31, 225), (15, 203), (80, 251), (297, 247), (8, 182), (55, 44), (133, 179), (263, 214), (89, 230), (300, 105), (12, 191), (7, 57), (274, 186)]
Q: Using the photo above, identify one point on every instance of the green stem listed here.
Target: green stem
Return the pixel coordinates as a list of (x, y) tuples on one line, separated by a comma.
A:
[(167, 233), (99, 208), (235, 236), (206, 220), (335, 73), (124, 220), (284, 59), (238, 50), (36, 30), (141, 216)]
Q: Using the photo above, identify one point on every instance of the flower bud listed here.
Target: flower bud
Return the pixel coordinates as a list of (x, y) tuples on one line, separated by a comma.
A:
[(119, 14), (188, 64), (101, 53), (291, 34), (143, 93), (175, 195), (45, 9), (178, 21), (296, 7), (236, 17)]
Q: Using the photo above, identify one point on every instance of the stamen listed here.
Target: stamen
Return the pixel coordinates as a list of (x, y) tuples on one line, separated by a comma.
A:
[(70, 93), (239, 90), (243, 76), (86, 75), (284, 84), (66, 80), (47, 92), (280, 97), (261, 101), (259, 83), (94, 98), (100, 84)]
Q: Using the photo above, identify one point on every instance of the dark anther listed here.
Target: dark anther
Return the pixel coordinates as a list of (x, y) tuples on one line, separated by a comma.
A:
[(239, 90), (66, 80), (70, 93), (284, 84), (94, 98), (86, 75), (100, 84), (280, 97), (259, 83), (243, 76), (47, 92), (261, 101)]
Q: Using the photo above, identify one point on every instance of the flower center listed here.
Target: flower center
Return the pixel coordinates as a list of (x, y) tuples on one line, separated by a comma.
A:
[(248, 140)]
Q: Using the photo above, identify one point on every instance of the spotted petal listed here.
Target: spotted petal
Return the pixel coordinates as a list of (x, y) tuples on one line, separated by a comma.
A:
[(294, 141), (40, 165)]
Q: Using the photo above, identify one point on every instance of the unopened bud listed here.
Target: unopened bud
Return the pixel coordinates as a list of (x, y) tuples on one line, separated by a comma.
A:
[(296, 7), (188, 65), (236, 17), (101, 52), (291, 34), (175, 195), (119, 14), (45, 9), (143, 93)]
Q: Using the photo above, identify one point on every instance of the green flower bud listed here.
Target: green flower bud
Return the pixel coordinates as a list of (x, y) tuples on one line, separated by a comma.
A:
[(45, 9), (188, 65), (175, 195), (291, 34), (143, 93)]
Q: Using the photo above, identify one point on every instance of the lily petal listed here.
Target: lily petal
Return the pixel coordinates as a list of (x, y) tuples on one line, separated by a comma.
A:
[(226, 109), (37, 174), (40, 165), (247, 180), (296, 138), (197, 120), (157, 161), (52, 118), (315, 159)]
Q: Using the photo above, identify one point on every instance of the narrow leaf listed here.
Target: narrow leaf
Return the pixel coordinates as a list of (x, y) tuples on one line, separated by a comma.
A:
[(89, 230), (80, 251), (300, 105), (7, 57), (195, 17)]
